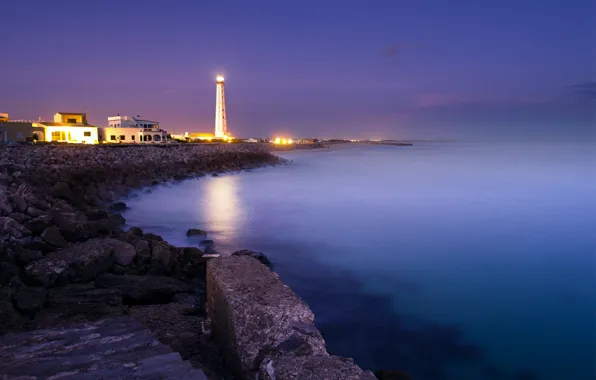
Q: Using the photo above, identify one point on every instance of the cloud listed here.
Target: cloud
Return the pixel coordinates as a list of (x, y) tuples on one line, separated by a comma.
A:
[(437, 99), (586, 89)]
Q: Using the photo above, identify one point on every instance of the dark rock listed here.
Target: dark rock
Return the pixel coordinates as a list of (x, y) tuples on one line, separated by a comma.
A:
[(39, 224), (195, 232), (77, 263), (25, 256), (10, 317), (190, 264), (209, 250), (143, 289), (34, 212), (257, 255), (21, 218), (163, 257), (11, 228), (9, 277), (5, 206), (150, 236), (62, 190), (53, 236), (85, 295), (313, 367), (19, 202), (37, 244), (392, 375), (143, 251), (118, 219), (118, 206), (105, 227), (30, 300), (192, 302), (207, 242), (96, 214), (124, 253), (135, 231)]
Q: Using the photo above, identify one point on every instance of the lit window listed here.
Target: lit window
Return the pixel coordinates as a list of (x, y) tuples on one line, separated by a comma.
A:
[(132, 137), (87, 134), (113, 137), (122, 137)]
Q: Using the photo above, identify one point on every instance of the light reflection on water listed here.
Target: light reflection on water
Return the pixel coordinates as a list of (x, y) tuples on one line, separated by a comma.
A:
[(447, 261)]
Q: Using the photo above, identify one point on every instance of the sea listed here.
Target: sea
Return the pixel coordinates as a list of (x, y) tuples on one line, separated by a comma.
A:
[(447, 260)]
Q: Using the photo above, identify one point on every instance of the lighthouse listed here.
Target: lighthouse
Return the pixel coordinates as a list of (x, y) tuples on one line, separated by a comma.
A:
[(221, 128)]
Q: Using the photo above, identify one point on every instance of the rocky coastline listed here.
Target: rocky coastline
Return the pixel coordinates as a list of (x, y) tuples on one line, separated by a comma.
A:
[(64, 257)]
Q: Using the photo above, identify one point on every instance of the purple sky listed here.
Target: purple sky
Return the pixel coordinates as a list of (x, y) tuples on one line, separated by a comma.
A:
[(361, 69)]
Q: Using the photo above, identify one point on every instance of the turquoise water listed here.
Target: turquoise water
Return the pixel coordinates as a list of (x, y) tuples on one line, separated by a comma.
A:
[(448, 261)]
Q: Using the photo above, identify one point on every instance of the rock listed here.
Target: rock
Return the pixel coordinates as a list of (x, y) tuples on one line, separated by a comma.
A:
[(314, 367), (255, 315), (11, 228), (39, 224), (124, 253), (25, 256), (190, 264), (21, 218), (9, 278), (150, 236), (30, 300), (134, 232), (62, 190), (118, 206), (163, 258), (207, 242), (5, 206), (102, 227), (143, 289), (195, 232), (143, 251), (119, 219), (10, 317), (392, 375), (96, 214), (86, 295), (34, 212), (77, 263), (192, 302), (257, 255), (19, 202), (37, 244), (52, 235)]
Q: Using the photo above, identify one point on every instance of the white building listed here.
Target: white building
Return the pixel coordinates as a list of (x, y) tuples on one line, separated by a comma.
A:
[(132, 130)]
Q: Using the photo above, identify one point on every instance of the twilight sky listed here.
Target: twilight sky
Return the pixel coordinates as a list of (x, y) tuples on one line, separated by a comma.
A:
[(322, 68)]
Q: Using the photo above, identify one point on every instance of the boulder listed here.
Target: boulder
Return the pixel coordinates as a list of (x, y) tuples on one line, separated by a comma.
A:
[(52, 235), (10, 317), (195, 232), (143, 289), (78, 263), (133, 234), (207, 242), (119, 219), (19, 202), (34, 212), (118, 206), (190, 264), (39, 224), (86, 295), (163, 257), (257, 255), (96, 214), (124, 253), (143, 251), (62, 190), (30, 300), (150, 236), (5, 206), (25, 256), (315, 367), (9, 278), (19, 217), (11, 228), (255, 315)]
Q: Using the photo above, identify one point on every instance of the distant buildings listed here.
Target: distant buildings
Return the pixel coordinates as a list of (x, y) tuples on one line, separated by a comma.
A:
[(132, 130), (68, 127), (17, 130)]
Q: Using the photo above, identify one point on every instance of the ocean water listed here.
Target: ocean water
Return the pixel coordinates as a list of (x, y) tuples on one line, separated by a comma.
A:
[(447, 261)]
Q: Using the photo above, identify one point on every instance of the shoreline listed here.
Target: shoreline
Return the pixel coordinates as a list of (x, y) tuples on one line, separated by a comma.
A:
[(65, 259)]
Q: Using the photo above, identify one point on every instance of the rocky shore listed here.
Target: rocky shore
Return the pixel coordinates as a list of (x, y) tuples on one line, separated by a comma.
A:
[(65, 259)]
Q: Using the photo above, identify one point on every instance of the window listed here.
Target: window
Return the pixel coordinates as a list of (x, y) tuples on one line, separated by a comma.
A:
[(113, 137), (60, 136), (122, 137), (73, 121), (132, 137), (87, 134), (156, 138)]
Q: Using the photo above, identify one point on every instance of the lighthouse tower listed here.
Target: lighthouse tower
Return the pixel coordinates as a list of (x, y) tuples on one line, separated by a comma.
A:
[(221, 128)]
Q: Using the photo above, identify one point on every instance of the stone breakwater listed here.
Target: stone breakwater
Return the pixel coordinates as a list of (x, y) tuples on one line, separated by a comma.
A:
[(64, 258)]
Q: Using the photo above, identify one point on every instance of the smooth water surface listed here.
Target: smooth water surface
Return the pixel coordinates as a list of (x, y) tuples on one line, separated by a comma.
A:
[(448, 261)]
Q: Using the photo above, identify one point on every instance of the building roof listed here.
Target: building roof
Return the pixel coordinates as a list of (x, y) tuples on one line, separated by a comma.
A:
[(200, 134), (54, 124), (73, 113)]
